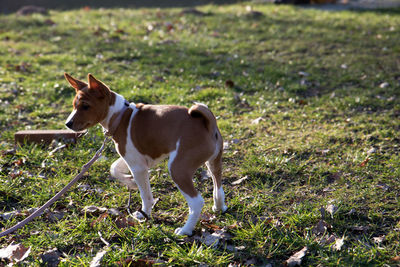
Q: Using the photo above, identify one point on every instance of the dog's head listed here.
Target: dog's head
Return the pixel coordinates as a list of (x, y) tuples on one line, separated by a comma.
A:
[(91, 103)]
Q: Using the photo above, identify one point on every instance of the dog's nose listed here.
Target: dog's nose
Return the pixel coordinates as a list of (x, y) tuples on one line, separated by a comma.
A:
[(69, 124)]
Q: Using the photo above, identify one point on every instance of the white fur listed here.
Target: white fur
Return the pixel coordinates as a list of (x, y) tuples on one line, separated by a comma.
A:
[(201, 104), (120, 171), (218, 193), (70, 117), (118, 105), (195, 206), (172, 155), (219, 200)]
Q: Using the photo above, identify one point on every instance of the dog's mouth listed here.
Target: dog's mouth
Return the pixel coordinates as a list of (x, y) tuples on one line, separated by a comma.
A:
[(78, 128)]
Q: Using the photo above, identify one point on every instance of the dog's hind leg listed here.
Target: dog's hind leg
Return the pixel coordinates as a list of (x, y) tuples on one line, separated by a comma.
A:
[(182, 171), (215, 168)]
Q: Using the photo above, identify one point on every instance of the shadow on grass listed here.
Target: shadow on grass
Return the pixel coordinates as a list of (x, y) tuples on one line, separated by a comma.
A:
[(7, 6)]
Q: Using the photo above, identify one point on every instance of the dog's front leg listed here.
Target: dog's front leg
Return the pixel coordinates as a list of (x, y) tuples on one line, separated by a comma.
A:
[(141, 176)]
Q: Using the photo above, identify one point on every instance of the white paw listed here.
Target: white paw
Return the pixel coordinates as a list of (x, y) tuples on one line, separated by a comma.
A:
[(182, 231), (137, 215), (218, 209)]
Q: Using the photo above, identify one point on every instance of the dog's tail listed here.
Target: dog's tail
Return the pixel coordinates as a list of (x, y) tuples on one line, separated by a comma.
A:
[(201, 110)]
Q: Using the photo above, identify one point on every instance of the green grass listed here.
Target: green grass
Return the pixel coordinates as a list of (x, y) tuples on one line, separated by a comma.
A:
[(305, 153)]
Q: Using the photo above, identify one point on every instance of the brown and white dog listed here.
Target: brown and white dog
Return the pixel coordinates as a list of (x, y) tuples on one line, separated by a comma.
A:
[(146, 134)]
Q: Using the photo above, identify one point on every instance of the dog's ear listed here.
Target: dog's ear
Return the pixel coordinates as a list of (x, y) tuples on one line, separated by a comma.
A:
[(77, 84), (100, 88)]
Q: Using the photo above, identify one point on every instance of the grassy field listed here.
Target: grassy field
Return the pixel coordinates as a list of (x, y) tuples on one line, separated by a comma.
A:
[(308, 103)]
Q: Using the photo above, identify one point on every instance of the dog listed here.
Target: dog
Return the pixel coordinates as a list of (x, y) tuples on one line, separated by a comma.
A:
[(146, 134)]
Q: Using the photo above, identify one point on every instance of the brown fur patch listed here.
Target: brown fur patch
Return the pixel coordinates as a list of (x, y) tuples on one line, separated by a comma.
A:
[(120, 135), (156, 130)]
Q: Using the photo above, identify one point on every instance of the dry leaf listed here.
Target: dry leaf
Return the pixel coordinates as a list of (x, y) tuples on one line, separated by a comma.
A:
[(97, 259), (210, 240), (229, 84), (379, 239), (51, 258), (360, 228), (213, 239), (124, 222), (94, 209), (239, 181), (15, 253), (101, 218), (331, 208), (338, 244), (362, 164), (257, 121), (371, 151), (384, 85), (320, 227), (296, 258), (8, 215), (396, 258), (327, 241)]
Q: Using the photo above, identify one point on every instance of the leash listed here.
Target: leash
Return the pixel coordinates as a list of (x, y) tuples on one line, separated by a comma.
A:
[(38, 212)]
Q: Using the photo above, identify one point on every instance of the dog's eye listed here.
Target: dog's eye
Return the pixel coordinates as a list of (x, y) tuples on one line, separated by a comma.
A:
[(85, 107)]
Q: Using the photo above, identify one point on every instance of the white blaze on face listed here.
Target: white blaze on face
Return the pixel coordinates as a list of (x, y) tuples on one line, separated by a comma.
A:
[(71, 116)]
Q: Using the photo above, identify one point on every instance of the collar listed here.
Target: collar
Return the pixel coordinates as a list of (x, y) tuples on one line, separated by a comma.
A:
[(114, 124)]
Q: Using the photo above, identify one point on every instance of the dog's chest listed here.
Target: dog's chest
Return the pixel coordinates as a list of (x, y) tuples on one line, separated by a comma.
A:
[(127, 150)]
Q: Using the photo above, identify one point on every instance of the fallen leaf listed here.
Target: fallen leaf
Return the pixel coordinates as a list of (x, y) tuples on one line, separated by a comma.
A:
[(213, 239), (210, 225), (384, 85), (327, 241), (51, 258), (296, 258), (371, 151), (94, 209), (338, 244), (239, 181), (8, 215), (396, 258), (97, 259), (303, 73), (15, 253), (169, 26), (379, 239), (257, 121), (229, 84), (19, 162), (360, 228), (331, 208), (124, 222), (55, 216), (49, 22), (362, 164), (320, 228)]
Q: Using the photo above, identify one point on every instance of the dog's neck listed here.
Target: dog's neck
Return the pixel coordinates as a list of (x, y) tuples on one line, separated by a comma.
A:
[(114, 112)]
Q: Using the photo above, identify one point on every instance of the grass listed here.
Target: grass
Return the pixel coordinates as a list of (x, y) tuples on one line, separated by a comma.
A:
[(315, 80)]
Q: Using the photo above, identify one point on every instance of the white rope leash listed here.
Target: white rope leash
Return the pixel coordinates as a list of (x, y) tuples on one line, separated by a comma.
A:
[(38, 212)]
